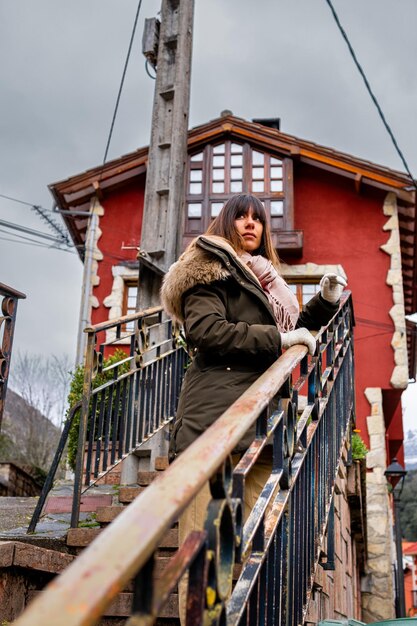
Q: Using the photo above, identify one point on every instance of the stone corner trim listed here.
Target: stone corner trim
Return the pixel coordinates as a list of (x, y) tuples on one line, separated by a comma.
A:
[(377, 586), (98, 210), (399, 377), (311, 270), (114, 301)]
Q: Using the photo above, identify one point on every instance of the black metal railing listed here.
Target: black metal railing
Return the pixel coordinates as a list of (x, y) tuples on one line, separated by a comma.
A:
[(288, 534), (9, 300), (136, 397)]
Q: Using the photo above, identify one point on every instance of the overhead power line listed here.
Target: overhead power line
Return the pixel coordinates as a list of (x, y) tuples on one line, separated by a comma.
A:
[(29, 239), (43, 214), (30, 231), (122, 81), (371, 93), (32, 242), (16, 200)]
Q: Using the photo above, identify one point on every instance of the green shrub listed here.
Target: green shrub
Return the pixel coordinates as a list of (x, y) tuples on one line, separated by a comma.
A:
[(359, 449), (76, 393)]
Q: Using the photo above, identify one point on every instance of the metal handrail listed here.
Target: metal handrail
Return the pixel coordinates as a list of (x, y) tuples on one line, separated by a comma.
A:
[(10, 298), (49, 481), (296, 501), (113, 415)]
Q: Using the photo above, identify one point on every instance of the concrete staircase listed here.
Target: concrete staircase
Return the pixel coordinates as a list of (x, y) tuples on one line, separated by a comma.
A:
[(29, 564)]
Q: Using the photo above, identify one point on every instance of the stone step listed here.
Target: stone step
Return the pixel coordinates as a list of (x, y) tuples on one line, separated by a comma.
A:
[(122, 605), (146, 478), (82, 537), (106, 514), (161, 463), (113, 477), (28, 556), (128, 494)]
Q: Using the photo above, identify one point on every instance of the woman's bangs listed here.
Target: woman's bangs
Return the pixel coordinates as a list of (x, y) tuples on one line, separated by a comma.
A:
[(258, 209), (245, 203)]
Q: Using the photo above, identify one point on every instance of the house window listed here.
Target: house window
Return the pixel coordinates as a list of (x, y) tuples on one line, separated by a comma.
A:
[(219, 171), (121, 300), (304, 279), (304, 291), (129, 303)]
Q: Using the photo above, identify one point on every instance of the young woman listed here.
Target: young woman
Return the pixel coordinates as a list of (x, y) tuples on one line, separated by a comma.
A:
[(238, 313)]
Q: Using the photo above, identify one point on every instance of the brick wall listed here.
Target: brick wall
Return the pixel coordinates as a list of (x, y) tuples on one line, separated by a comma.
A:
[(14, 481)]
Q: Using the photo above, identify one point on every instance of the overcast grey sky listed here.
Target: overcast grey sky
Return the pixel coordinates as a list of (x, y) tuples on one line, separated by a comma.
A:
[(60, 72)]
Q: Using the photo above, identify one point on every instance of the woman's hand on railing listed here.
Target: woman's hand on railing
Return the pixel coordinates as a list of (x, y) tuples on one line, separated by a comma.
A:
[(299, 336), (331, 287)]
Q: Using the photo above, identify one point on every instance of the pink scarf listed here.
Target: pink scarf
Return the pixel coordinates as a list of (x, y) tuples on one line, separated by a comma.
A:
[(282, 300)]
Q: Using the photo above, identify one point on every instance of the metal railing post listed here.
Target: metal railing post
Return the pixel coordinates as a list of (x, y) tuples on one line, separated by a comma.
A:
[(82, 433), (8, 318)]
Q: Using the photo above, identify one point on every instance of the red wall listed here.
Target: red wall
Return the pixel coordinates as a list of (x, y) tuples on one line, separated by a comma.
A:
[(340, 227), (343, 227), (391, 402), (121, 226)]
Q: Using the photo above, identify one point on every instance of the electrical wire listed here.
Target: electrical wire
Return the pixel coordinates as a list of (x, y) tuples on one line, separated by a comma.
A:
[(42, 213), (122, 81), (30, 231), (32, 242), (35, 242), (2, 195), (371, 93), (385, 327), (26, 243), (147, 70), (371, 336)]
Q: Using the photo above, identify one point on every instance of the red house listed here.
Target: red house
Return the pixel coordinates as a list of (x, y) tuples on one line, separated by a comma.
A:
[(410, 577), (329, 211)]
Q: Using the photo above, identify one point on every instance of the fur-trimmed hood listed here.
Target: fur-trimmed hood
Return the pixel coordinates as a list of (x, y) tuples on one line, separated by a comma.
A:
[(203, 262)]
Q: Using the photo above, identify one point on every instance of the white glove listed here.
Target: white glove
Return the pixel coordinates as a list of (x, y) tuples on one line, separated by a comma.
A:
[(299, 336), (332, 287)]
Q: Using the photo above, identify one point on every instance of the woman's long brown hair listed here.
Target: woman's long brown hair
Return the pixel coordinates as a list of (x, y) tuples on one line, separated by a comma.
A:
[(224, 225)]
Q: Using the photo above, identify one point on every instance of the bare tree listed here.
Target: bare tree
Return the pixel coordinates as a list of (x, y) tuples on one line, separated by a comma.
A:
[(34, 422), (61, 373), (43, 382)]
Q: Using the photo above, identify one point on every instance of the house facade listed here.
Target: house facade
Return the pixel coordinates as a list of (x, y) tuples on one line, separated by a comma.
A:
[(328, 211)]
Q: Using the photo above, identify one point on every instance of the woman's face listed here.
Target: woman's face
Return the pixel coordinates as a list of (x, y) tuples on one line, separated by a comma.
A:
[(250, 227)]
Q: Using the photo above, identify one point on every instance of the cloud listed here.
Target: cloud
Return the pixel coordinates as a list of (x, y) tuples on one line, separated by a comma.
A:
[(276, 58)]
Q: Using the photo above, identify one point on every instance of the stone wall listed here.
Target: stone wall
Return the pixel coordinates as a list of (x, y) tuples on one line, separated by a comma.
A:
[(336, 594), (377, 586), (14, 481)]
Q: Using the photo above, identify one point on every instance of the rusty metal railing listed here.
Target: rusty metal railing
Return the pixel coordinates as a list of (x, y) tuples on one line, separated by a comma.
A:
[(9, 300), (280, 543), (135, 399)]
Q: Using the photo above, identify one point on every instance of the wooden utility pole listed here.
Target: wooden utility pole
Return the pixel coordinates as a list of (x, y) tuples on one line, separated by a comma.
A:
[(164, 194)]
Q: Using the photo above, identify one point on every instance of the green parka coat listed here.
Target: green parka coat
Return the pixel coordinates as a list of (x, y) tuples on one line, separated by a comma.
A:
[(230, 328)]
